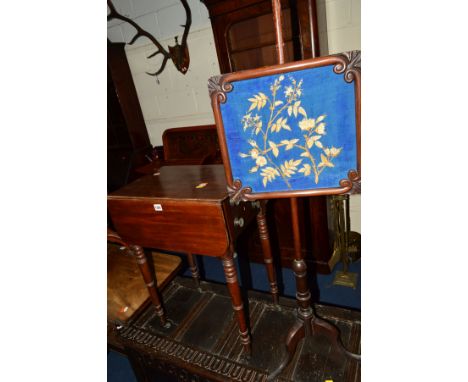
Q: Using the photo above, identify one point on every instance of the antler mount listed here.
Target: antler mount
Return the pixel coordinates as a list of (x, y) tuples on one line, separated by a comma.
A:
[(179, 53)]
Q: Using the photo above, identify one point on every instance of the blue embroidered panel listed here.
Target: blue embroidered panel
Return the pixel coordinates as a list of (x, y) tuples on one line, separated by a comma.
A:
[(292, 131)]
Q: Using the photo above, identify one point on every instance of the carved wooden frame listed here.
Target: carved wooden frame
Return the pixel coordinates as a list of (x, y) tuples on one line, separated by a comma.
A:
[(348, 63)]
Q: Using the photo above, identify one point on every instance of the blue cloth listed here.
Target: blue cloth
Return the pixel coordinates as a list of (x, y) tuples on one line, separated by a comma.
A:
[(294, 131)]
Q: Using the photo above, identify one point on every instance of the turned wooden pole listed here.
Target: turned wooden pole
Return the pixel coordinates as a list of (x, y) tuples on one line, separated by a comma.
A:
[(307, 322), (300, 268), (314, 34), (266, 249), (277, 21)]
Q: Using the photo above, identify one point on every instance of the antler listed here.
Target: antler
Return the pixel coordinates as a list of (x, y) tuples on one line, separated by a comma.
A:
[(188, 22), (141, 33)]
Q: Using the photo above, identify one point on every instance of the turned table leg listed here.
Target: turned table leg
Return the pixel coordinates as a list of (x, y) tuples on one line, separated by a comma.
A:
[(194, 269), (266, 249), (150, 283), (237, 304)]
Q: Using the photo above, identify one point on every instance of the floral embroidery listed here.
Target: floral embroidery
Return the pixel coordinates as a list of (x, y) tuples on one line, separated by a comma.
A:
[(306, 142)]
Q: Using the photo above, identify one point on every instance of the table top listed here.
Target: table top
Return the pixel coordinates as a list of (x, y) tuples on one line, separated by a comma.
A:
[(194, 182), (183, 209)]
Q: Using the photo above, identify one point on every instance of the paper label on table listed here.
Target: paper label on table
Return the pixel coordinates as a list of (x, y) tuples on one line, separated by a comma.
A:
[(158, 207)]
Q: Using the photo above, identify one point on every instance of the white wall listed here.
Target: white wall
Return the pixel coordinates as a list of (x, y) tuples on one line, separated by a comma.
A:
[(182, 100), (339, 25)]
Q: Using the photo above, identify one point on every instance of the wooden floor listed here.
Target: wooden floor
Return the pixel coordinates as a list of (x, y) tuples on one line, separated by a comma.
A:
[(202, 343), (126, 292)]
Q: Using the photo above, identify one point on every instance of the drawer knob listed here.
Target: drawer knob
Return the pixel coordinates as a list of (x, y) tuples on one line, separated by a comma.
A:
[(238, 222)]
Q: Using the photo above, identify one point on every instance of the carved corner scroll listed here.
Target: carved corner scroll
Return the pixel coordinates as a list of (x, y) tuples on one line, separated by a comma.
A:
[(353, 183), (237, 193), (350, 65), (218, 87)]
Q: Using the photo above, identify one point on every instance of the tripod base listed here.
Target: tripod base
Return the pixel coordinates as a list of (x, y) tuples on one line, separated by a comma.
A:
[(310, 327)]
